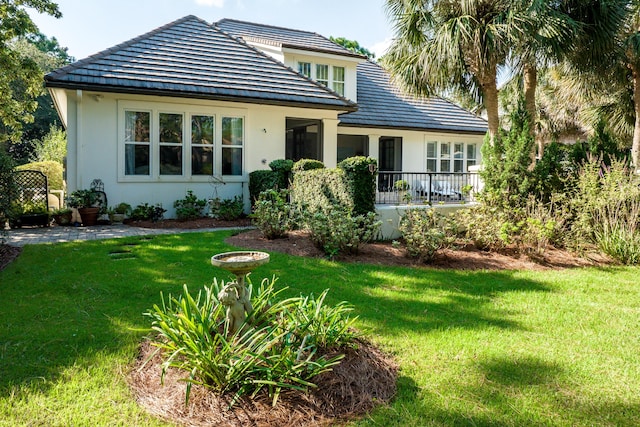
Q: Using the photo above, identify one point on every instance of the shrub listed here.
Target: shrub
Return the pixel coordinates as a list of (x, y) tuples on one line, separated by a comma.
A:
[(227, 209), (273, 216), (190, 207), (316, 189), (307, 165), (52, 147), (280, 345), (335, 230), (146, 212), (425, 231), (8, 190), (361, 182), (52, 170), (262, 180), (488, 227)]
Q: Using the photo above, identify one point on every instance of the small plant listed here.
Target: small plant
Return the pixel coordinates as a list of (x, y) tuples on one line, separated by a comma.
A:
[(273, 216), (83, 199), (425, 231), (281, 345), (336, 230), (190, 207), (122, 208), (227, 209), (146, 212), (401, 185)]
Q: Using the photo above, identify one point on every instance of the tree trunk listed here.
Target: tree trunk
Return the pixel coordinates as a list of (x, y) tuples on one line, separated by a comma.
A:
[(530, 84), (635, 147), (490, 94)]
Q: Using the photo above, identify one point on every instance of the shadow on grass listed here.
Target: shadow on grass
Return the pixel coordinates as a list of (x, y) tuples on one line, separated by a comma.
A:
[(65, 303)]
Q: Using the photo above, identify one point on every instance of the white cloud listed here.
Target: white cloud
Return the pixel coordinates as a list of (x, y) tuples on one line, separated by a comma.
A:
[(380, 48), (210, 3)]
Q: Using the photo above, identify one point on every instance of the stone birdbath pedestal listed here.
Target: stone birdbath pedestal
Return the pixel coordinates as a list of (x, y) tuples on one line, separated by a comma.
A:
[(234, 295)]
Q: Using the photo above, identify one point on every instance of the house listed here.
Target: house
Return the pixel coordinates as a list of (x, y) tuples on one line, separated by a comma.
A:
[(198, 106)]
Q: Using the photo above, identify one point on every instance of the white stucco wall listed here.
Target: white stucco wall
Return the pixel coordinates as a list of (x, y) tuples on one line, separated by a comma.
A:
[(96, 148)]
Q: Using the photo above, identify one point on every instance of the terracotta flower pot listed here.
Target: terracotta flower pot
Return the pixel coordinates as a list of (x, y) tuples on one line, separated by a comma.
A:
[(89, 216)]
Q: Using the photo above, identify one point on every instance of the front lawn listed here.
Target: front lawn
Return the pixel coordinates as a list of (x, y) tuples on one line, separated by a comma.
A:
[(474, 348)]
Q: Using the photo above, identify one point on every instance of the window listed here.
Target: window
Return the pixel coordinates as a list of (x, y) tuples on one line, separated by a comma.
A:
[(471, 155), (304, 68), (338, 80), (458, 157), (171, 141), (322, 74), (432, 156), (137, 142), (232, 145), (202, 131), (445, 157)]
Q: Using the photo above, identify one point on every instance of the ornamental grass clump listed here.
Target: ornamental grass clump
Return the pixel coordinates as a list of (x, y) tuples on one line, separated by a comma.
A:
[(283, 344)]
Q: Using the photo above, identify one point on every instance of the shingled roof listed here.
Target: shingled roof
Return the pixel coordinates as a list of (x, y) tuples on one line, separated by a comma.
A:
[(283, 37), (383, 105), (191, 58)]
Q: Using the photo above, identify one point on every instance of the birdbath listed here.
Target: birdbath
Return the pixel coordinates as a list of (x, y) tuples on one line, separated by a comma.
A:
[(234, 295)]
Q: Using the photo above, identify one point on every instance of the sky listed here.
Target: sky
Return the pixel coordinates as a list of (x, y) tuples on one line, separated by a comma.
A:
[(90, 26)]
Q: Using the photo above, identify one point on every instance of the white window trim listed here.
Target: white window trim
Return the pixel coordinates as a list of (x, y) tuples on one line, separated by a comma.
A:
[(451, 157), (154, 108)]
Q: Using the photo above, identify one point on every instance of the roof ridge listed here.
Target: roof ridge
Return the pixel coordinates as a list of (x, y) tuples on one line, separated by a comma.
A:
[(125, 44)]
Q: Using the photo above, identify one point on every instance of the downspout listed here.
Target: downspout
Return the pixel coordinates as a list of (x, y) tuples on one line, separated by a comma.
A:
[(78, 135)]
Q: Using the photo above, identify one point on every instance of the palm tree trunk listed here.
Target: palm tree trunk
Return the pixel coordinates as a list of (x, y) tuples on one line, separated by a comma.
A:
[(490, 94), (530, 84), (635, 147)]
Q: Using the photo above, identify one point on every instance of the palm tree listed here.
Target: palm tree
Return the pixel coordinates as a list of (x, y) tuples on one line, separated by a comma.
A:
[(446, 45)]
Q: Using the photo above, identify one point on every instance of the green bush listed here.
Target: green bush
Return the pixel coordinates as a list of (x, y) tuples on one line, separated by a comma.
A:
[(190, 207), (307, 165), (335, 230), (8, 189), (425, 231), (226, 209), (273, 216), (262, 180), (146, 212), (280, 346), (53, 171), (361, 182), (318, 188)]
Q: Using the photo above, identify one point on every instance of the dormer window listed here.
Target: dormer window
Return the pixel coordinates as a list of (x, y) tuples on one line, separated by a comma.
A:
[(304, 68), (338, 80), (322, 74)]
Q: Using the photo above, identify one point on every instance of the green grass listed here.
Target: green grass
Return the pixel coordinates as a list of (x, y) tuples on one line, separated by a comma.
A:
[(475, 348)]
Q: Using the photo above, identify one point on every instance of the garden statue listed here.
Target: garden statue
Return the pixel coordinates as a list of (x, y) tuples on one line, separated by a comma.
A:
[(235, 299)]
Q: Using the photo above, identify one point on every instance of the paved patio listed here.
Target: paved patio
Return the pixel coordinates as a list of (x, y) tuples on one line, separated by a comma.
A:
[(29, 236)]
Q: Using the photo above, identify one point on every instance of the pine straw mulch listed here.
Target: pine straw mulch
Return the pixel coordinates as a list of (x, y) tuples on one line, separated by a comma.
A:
[(365, 377)]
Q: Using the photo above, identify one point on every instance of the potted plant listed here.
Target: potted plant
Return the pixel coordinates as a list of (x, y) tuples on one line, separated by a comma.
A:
[(28, 214), (62, 216), (402, 187), (118, 213), (86, 201)]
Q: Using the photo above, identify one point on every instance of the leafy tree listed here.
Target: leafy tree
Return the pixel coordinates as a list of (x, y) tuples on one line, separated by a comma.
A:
[(21, 77), (52, 147), (353, 46)]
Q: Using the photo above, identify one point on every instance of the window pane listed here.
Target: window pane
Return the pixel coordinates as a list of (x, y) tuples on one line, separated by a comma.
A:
[(322, 74), (338, 74), (431, 149), (202, 160), (232, 130), (136, 159), (471, 151), (338, 88), (171, 128), (170, 160), (231, 161), (202, 130), (304, 68), (444, 150), (445, 165), (136, 126), (458, 151), (470, 163), (457, 166), (431, 165)]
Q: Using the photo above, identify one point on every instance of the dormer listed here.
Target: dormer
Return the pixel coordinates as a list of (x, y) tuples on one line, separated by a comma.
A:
[(308, 53)]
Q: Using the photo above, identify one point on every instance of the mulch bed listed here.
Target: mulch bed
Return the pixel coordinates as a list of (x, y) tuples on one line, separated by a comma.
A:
[(366, 377), (7, 254)]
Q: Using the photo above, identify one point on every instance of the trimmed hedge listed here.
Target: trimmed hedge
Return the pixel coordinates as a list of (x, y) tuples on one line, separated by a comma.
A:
[(307, 165), (262, 180), (350, 186), (53, 171), (361, 183)]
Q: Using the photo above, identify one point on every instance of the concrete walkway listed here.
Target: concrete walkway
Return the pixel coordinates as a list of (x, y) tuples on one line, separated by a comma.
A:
[(30, 236)]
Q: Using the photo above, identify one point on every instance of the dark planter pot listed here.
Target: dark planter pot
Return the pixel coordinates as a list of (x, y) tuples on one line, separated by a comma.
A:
[(89, 216), (32, 220), (63, 219)]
